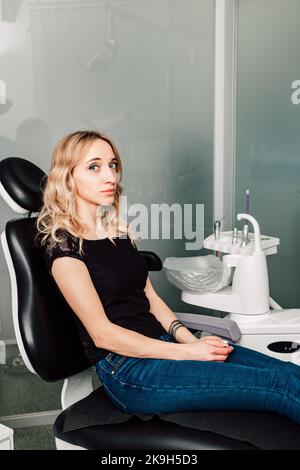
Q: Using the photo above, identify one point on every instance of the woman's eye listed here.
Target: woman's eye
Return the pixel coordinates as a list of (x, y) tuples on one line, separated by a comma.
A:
[(93, 166), (113, 165)]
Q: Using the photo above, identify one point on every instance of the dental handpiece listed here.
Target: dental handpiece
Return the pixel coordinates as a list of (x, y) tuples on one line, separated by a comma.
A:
[(235, 236), (245, 239), (217, 226), (247, 203), (217, 232)]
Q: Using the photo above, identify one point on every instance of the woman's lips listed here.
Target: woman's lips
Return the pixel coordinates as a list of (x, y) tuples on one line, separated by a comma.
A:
[(110, 191)]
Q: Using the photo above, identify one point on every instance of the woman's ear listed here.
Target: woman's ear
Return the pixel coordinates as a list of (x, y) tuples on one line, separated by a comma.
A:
[(70, 183)]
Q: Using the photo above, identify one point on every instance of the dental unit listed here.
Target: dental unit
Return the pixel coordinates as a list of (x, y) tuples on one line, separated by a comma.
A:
[(264, 325)]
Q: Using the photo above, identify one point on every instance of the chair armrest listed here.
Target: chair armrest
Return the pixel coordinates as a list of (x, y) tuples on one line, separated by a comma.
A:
[(218, 326), (152, 259)]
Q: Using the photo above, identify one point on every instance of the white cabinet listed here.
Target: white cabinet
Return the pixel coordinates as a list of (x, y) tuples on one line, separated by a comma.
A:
[(6, 438)]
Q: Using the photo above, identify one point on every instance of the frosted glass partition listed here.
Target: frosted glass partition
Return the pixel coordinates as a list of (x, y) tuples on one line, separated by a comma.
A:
[(140, 70), (268, 138)]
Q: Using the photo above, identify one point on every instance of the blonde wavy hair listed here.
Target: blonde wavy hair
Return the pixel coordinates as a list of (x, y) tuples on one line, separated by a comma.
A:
[(59, 194)]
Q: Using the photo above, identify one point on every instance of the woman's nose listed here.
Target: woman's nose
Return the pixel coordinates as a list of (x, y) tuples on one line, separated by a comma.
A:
[(108, 174)]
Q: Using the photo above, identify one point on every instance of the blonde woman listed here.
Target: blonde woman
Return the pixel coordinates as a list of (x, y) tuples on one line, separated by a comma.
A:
[(146, 360)]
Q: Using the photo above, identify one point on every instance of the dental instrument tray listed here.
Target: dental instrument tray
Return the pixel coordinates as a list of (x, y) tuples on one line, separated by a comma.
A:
[(224, 243)]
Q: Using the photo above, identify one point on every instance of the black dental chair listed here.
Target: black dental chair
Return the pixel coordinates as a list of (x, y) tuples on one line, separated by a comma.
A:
[(50, 347)]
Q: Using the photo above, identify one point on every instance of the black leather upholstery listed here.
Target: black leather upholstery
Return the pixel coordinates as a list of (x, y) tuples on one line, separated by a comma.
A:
[(47, 328), (153, 261), (138, 435), (262, 429), (23, 181)]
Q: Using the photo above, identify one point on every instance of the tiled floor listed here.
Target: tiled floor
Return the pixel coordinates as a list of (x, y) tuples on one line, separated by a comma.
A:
[(24, 392), (34, 438)]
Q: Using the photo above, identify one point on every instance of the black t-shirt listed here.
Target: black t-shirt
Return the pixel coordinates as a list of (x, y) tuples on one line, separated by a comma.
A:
[(119, 273)]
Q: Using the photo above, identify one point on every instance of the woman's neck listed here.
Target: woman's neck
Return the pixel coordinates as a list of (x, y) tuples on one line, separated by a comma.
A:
[(102, 231)]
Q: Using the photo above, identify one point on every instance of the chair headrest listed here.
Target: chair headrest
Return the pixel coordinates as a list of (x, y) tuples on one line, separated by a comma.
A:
[(21, 184)]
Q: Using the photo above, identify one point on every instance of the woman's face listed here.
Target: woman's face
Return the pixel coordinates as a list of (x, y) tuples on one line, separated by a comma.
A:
[(97, 172)]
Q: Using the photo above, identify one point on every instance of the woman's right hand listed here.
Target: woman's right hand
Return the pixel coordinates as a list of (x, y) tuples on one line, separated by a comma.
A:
[(208, 348)]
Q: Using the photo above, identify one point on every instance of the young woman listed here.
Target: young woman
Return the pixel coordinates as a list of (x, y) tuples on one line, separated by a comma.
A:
[(146, 361)]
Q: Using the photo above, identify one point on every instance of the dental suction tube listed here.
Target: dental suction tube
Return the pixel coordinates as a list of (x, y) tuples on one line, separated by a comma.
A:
[(257, 240)]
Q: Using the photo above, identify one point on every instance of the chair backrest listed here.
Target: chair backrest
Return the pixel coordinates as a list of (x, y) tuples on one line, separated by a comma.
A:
[(42, 318), (45, 330), (44, 324)]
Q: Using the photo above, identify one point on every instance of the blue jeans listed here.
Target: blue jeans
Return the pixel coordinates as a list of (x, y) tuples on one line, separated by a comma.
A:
[(247, 380)]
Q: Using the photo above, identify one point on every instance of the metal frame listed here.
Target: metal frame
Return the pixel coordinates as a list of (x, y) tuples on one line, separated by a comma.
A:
[(224, 111)]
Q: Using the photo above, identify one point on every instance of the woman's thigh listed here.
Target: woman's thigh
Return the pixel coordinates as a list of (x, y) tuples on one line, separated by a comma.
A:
[(161, 386), (250, 357)]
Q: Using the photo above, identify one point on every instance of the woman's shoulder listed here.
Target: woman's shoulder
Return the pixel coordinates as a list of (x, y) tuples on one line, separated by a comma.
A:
[(64, 241), (68, 245)]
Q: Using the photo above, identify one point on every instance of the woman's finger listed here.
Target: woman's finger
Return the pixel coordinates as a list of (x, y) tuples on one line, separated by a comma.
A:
[(222, 350), (217, 343), (210, 337), (214, 338)]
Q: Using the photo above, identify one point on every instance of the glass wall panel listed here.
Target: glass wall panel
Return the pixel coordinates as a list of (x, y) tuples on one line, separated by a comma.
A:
[(139, 70), (268, 138)]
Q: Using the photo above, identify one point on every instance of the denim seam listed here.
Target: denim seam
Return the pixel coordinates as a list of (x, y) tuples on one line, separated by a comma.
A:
[(110, 361), (157, 389), (116, 366), (189, 387), (199, 387), (109, 392)]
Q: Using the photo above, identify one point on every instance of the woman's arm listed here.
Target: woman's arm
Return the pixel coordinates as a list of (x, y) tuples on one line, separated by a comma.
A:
[(74, 281), (165, 316)]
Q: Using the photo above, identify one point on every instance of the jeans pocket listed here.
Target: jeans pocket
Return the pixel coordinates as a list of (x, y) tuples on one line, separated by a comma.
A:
[(115, 361)]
